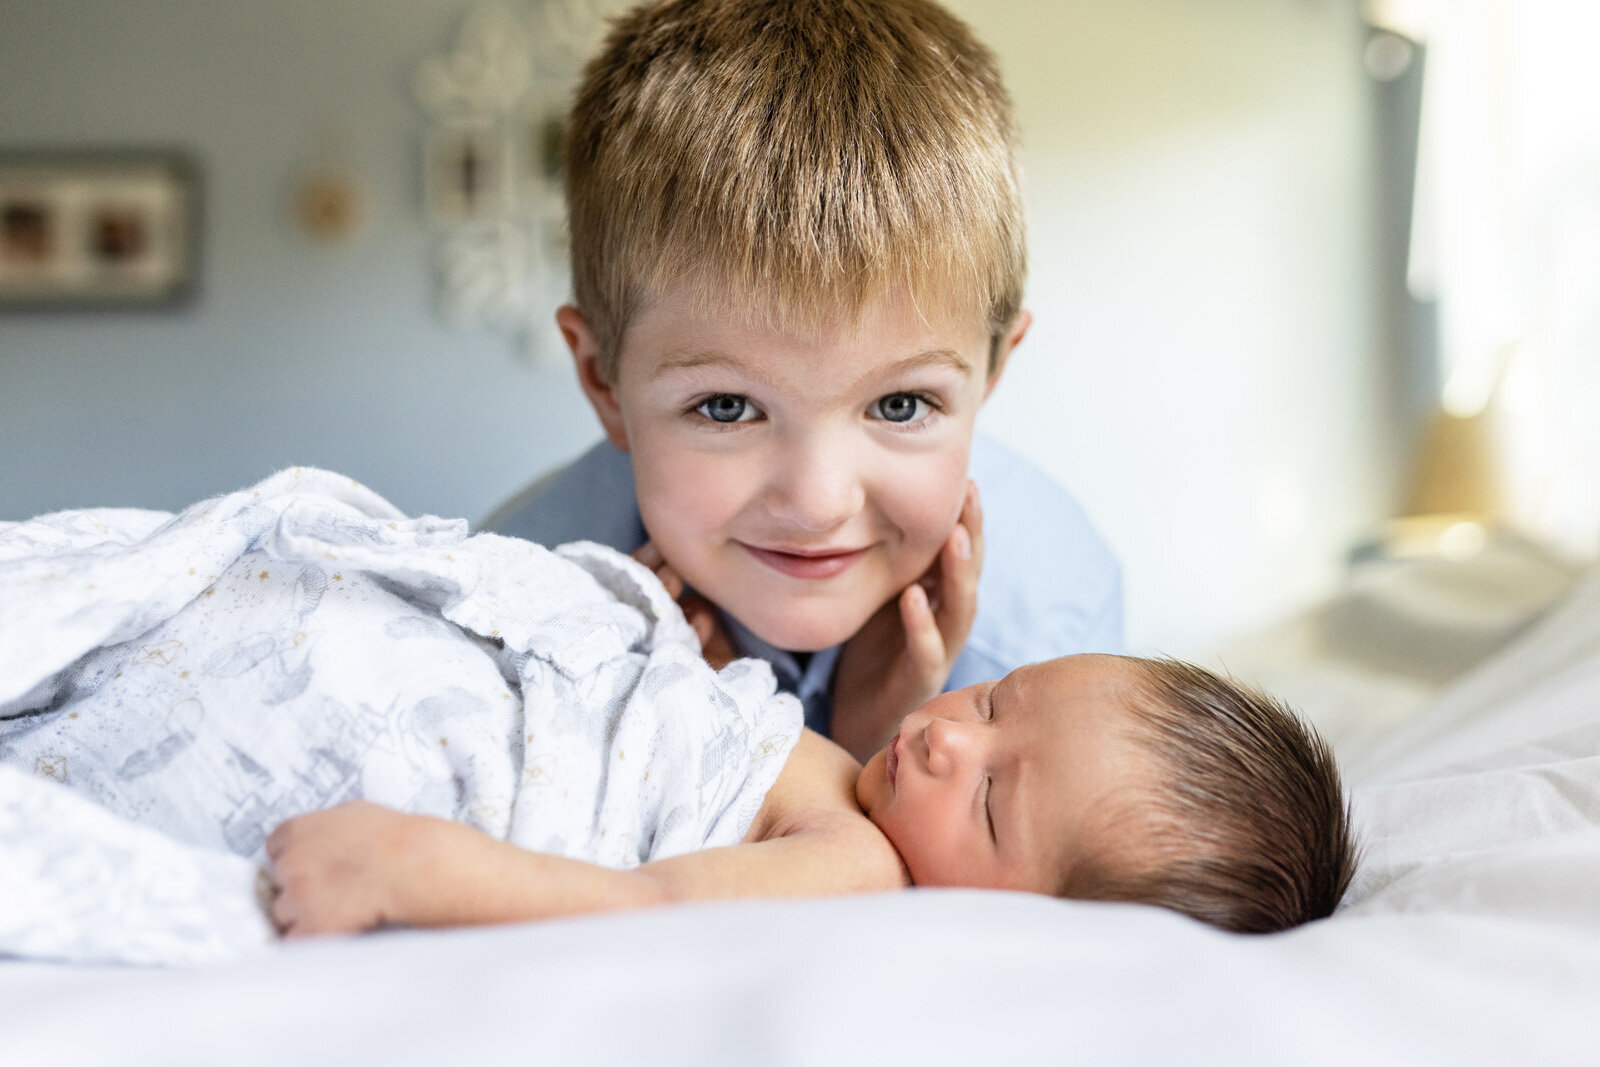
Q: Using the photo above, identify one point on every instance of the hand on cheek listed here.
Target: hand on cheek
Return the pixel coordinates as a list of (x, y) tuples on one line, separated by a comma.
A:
[(903, 656)]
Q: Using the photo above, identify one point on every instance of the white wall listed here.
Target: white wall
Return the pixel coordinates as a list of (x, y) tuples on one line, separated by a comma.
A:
[(1199, 371), (1202, 368)]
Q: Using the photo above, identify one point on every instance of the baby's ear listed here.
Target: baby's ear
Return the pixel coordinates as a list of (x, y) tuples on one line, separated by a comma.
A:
[(1011, 339), (602, 393)]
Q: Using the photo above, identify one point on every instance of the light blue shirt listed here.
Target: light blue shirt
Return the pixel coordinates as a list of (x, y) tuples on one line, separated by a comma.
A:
[(1049, 584)]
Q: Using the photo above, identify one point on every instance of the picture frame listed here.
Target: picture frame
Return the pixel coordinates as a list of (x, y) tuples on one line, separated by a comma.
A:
[(98, 229)]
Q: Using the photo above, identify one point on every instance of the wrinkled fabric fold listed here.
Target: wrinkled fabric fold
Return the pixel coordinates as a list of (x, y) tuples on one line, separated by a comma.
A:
[(173, 686)]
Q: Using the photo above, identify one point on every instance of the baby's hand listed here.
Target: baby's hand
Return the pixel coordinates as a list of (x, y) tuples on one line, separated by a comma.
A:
[(336, 871), (702, 615), (904, 654)]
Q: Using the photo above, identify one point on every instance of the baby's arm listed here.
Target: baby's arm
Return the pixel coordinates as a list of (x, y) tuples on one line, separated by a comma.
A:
[(360, 865)]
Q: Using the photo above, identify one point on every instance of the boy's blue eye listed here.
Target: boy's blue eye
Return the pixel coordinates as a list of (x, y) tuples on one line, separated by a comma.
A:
[(900, 407), (727, 407)]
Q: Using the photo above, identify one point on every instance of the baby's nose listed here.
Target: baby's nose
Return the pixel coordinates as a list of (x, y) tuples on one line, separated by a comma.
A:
[(950, 744)]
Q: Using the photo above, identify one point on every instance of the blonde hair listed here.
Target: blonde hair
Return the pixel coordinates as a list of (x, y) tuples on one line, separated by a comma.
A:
[(807, 156)]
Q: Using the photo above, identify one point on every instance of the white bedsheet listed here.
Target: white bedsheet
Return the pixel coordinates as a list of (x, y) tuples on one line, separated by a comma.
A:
[(1472, 937)]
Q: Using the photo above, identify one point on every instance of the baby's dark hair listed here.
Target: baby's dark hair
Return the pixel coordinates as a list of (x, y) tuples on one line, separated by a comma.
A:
[(1246, 828)]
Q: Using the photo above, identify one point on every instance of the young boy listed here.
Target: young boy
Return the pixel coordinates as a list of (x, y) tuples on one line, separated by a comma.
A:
[(798, 258), (1090, 777)]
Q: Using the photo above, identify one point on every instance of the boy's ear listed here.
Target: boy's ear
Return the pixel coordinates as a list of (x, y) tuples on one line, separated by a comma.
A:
[(1013, 337), (586, 360)]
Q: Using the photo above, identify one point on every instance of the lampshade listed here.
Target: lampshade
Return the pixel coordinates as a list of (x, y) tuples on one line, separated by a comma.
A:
[(1456, 470)]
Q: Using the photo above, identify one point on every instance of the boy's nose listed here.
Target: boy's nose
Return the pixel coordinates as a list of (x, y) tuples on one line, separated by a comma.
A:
[(815, 487)]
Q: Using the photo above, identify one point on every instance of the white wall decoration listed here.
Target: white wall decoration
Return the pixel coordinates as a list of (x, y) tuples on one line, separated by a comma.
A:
[(494, 105)]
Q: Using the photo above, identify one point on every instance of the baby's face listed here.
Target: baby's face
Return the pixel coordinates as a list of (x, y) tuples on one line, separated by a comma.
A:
[(798, 482), (1000, 785)]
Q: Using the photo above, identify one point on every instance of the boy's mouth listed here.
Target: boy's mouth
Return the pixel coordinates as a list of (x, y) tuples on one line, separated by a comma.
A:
[(826, 563), (892, 759)]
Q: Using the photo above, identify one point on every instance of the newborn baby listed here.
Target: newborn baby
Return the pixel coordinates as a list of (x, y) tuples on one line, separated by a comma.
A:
[(1094, 777)]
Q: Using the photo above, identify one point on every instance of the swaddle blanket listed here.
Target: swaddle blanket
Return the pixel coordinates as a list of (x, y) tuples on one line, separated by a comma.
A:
[(172, 687)]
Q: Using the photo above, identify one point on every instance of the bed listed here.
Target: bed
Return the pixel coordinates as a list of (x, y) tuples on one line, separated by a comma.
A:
[(1472, 934)]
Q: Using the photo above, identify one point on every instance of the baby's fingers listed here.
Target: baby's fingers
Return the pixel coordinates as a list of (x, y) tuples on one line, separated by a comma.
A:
[(282, 905), (285, 914)]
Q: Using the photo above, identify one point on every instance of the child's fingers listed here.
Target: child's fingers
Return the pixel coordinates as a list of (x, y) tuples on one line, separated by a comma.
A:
[(972, 519), (707, 626), (960, 563), (651, 557), (669, 579), (702, 619), (924, 639)]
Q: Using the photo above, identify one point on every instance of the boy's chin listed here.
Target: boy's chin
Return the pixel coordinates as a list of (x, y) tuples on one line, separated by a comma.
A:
[(801, 634)]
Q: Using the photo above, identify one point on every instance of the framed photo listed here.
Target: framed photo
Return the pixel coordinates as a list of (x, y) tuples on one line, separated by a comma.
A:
[(97, 229)]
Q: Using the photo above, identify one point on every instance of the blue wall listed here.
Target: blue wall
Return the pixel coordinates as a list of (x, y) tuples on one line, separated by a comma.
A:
[(294, 352)]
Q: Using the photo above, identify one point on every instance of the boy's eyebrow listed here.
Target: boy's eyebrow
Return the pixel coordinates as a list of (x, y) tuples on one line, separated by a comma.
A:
[(933, 357), (690, 360)]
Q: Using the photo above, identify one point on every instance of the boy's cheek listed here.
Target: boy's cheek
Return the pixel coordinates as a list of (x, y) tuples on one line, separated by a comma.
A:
[(927, 503), (678, 500)]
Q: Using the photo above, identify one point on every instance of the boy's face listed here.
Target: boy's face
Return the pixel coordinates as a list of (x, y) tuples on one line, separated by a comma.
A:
[(798, 482), (1000, 785)]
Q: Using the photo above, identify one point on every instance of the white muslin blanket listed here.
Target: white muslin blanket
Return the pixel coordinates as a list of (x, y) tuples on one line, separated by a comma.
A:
[(172, 687)]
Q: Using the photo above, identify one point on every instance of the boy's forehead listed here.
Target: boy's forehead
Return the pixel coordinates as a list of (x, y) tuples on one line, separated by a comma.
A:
[(689, 322)]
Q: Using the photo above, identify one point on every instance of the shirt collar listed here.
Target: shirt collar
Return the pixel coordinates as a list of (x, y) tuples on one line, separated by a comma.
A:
[(804, 682)]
